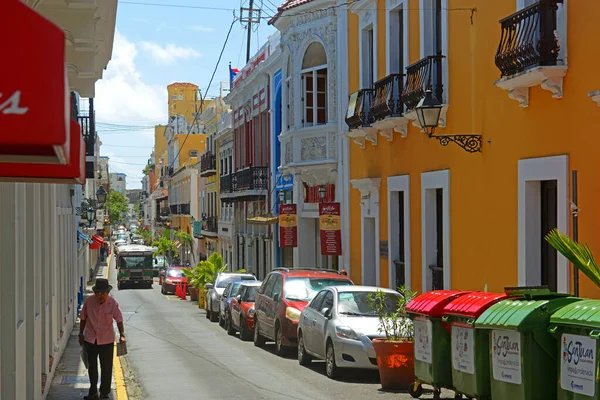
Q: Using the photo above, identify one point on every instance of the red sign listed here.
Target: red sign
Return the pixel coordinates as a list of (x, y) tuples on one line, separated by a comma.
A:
[(73, 172), (330, 226), (288, 226), (34, 91)]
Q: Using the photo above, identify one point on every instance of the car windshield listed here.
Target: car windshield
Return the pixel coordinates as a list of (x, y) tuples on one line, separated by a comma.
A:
[(175, 273), (135, 262), (357, 303), (250, 294), (224, 280), (235, 288), (121, 237), (304, 289)]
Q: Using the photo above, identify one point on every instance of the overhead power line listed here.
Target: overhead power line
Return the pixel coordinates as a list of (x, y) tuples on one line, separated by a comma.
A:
[(141, 3)]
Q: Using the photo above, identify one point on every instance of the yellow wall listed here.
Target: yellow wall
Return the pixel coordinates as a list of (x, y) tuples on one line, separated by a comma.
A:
[(193, 142), (160, 142), (189, 105), (484, 186)]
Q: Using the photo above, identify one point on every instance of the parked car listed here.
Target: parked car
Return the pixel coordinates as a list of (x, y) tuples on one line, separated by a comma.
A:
[(338, 326), (173, 277), (281, 299), (241, 311), (215, 291), (231, 290), (160, 264)]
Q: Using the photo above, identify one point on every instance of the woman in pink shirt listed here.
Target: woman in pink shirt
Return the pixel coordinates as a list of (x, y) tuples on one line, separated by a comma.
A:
[(96, 333)]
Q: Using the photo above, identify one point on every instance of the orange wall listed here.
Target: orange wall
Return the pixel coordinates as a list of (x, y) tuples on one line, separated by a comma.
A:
[(192, 142), (483, 186)]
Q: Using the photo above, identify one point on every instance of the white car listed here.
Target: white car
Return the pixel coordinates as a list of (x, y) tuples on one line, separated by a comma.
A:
[(338, 326)]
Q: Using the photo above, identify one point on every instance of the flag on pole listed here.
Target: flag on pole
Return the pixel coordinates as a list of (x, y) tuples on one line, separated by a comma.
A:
[(232, 74)]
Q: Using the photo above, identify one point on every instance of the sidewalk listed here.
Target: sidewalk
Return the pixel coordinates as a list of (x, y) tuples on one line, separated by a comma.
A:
[(71, 379)]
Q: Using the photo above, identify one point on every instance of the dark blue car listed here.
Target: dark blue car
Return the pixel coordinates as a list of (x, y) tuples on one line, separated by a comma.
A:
[(231, 290)]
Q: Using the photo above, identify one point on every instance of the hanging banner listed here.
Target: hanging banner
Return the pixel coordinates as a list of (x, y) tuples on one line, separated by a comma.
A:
[(288, 226), (330, 226)]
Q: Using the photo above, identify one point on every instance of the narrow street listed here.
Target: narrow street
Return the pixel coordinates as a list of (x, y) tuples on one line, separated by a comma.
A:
[(175, 352)]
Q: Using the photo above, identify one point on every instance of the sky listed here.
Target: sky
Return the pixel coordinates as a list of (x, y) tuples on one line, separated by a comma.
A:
[(178, 41)]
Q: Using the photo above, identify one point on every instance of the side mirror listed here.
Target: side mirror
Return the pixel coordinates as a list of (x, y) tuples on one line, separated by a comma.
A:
[(276, 297), (326, 312), (238, 298), (209, 286), (156, 261)]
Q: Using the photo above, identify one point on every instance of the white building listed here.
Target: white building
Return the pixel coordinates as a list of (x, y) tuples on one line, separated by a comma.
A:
[(118, 182), (224, 140), (313, 39), (42, 261)]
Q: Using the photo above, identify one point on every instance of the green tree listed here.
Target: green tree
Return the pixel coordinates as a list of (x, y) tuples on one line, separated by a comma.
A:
[(146, 236), (165, 247), (116, 206), (187, 242)]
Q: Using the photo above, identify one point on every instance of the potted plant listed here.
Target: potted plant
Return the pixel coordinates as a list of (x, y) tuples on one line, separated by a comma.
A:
[(395, 352), (196, 281)]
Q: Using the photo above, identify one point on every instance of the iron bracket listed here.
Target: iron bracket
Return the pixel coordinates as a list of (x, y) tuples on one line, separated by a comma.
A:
[(470, 143)]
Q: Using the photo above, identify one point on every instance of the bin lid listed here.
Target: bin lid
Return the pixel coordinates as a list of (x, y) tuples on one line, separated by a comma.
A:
[(585, 313), (521, 314), (473, 304), (432, 303)]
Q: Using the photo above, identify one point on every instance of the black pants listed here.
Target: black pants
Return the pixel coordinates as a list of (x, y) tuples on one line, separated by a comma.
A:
[(105, 353)]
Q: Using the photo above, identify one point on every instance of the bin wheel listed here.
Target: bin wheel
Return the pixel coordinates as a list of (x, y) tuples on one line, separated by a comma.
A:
[(415, 390), (458, 396), (437, 394)]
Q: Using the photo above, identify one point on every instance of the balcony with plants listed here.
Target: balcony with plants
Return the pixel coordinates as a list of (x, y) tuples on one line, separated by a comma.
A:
[(529, 52), (359, 117)]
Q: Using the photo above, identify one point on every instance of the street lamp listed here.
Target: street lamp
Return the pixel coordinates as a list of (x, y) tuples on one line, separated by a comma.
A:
[(428, 112), (101, 195), (322, 191), (281, 196)]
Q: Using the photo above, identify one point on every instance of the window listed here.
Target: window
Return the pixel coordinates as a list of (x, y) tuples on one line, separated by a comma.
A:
[(397, 43), (328, 301), (318, 300), (174, 97), (314, 85), (193, 153), (368, 58), (180, 97)]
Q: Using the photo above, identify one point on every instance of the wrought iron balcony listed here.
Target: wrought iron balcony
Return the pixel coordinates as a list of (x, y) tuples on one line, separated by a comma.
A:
[(208, 164), (387, 101), (528, 39), (420, 75), (251, 178), (180, 209), (359, 109), (88, 133), (164, 211), (226, 184), (210, 224)]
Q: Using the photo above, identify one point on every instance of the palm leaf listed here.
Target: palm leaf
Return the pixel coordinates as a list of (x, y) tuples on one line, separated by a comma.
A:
[(579, 254)]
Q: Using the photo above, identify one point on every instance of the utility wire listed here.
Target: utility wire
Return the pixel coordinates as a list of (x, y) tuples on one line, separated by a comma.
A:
[(141, 3)]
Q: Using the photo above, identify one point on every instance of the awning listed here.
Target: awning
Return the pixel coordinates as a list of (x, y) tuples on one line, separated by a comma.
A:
[(98, 239), (83, 236), (263, 220), (94, 245)]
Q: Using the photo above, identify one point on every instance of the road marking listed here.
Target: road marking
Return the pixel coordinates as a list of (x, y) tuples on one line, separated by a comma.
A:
[(117, 369), (108, 260)]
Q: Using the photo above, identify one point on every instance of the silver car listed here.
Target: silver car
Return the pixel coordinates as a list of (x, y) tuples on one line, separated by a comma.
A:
[(338, 326), (214, 292)]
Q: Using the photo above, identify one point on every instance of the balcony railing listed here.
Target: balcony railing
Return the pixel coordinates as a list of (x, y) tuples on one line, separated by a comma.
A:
[(226, 184), (387, 101), (425, 73), (87, 131), (528, 38), (251, 178), (359, 109), (164, 211), (197, 229), (208, 164), (180, 209), (210, 224)]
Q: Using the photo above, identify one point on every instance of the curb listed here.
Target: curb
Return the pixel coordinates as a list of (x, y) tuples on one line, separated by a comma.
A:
[(117, 368)]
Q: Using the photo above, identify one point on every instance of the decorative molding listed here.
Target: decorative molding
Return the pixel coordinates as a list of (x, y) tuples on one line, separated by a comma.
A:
[(595, 95), (367, 186), (390, 125), (548, 77)]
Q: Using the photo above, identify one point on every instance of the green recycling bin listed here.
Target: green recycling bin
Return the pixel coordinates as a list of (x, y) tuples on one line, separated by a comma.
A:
[(432, 340), (577, 330), (470, 347), (523, 352)]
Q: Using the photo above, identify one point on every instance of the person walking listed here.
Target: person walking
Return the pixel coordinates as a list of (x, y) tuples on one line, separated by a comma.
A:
[(96, 333)]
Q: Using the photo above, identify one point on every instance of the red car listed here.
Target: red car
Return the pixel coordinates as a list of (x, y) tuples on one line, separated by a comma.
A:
[(241, 311), (282, 297), (173, 277)]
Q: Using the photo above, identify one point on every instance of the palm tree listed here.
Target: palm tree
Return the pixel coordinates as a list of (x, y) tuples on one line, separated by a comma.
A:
[(579, 254), (165, 247), (187, 241)]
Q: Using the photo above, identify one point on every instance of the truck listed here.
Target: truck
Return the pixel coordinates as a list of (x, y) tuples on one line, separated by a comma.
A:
[(135, 266)]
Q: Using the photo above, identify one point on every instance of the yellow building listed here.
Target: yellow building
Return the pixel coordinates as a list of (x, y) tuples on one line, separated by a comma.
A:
[(424, 209), (184, 99)]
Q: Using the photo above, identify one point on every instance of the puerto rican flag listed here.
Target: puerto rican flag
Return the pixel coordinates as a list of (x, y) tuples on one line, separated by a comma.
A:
[(232, 74)]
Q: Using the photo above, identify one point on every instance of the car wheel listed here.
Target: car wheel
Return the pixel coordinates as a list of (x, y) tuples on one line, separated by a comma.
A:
[(331, 368), (221, 320), (259, 340), (303, 357), (214, 317), (280, 349), (244, 333), (229, 326), (207, 312)]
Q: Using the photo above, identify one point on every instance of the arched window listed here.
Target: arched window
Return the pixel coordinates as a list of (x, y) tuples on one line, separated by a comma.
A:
[(314, 85)]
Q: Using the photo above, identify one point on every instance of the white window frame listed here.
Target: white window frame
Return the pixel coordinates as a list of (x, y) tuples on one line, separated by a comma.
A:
[(431, 181), (369, 205), (393, 7), (314, 71), (426, 40), (397, 184), (366, 10), (531, 172)]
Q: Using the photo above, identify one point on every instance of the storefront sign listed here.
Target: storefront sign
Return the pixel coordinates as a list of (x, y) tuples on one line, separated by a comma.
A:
[(463, 356), (288, 226), (73, 172), (423, 329), (578, 366), (506, 356), (34, 95), (330, 226)]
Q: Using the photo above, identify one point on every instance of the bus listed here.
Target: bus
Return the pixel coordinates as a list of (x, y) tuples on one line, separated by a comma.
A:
[(135, 265)]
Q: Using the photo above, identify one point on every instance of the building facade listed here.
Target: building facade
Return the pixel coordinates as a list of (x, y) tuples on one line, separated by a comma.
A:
[(224, 144), (314, 49), (118, 182)]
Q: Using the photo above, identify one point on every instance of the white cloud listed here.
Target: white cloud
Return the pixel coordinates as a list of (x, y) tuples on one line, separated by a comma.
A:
[(122, 96), (168, 54), (201, 28)]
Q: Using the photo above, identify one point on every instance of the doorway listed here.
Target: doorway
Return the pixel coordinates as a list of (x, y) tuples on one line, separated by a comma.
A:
[(548, 222), (369, 267)]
